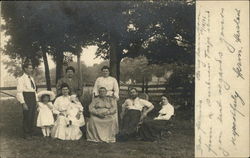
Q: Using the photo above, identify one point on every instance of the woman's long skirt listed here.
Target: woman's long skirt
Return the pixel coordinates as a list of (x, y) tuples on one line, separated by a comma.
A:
[(102, 129), (61, 130), (150, 130)]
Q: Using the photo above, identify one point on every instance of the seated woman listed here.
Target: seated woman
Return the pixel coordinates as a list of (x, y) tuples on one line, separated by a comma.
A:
[(150, 130), (102, 124), (67, 124)]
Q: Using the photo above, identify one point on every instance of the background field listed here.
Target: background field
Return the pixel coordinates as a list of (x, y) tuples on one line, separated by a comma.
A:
[(178, 144)]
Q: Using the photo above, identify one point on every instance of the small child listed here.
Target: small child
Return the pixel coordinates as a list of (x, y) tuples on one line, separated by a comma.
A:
[(75, 118), (45, 118)]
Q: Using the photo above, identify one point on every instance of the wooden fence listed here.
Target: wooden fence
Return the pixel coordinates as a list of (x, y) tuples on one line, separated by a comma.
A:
[(177, 96)]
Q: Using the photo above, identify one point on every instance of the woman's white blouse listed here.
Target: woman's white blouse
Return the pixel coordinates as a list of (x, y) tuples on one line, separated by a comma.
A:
[(61, 104), (110, 83), (24, 85), (166, 112)]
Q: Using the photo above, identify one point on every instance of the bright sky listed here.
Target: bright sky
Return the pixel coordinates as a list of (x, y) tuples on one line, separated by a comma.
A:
[(88, 56)]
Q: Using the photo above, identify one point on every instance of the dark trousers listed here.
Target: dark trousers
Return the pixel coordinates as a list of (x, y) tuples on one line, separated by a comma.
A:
[(129, 125), (29, 115)]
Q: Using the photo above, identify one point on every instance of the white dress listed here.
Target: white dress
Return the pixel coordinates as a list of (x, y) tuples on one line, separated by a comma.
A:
[(74, 132), (72, 112), (62, 130), (45, 115)]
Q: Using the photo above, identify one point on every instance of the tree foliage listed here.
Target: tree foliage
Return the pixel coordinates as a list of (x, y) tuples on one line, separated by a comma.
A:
[(162, 31)]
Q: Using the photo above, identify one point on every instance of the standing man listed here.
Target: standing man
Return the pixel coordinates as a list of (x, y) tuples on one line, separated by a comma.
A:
[(26, 95), (71, 80)]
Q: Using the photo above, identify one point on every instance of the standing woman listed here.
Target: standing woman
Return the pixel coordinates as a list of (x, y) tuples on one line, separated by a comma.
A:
[(111, 85), (26, 95)]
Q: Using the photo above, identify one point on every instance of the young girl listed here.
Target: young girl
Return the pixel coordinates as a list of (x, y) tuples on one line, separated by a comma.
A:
[(45, 118), (64, 127)]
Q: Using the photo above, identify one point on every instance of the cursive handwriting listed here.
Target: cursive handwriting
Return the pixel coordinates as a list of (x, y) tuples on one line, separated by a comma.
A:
[(237, 23), (199, 120), (220, 111), (234, 111), (222, 82), (223, 150), (222, 22), (208, 82), (228, 45), (238, 68), (236, 96), (198, 146), (210, 145)]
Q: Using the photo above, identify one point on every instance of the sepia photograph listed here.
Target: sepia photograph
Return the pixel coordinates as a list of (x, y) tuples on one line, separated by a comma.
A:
[(97, 79)]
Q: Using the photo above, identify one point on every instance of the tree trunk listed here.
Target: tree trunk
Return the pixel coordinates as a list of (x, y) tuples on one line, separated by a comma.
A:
[(59, 65), (143, 84), (47, 74), (146, 87), (118, 70), (115, 60), (79, 69)]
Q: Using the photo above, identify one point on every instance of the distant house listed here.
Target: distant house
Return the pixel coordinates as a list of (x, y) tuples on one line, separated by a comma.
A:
[(161, 80)]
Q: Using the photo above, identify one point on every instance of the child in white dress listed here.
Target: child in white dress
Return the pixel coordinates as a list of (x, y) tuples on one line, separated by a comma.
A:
[(75, 119), (45, 118)]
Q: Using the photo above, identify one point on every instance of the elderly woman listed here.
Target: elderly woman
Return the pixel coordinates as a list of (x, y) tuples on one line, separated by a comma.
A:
[(102, 125), (111, 85)]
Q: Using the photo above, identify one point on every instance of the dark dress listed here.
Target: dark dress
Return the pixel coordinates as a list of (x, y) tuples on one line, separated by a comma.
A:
[(150, 130)]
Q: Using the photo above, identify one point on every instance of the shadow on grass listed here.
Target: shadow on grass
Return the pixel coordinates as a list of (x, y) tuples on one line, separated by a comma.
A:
[(179, 144)]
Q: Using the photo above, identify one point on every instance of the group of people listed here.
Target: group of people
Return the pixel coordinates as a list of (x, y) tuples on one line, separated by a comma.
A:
[(61, 116)]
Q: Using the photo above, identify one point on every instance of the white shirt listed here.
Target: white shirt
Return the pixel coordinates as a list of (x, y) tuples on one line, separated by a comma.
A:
[(24, 85), (166, 112), (136, 104), (110, 83)]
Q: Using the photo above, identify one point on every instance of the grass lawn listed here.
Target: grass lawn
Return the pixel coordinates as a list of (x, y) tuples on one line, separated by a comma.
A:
[(179, 144)]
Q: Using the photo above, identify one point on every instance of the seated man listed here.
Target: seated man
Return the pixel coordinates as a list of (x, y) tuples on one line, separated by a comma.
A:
[(131, 114)]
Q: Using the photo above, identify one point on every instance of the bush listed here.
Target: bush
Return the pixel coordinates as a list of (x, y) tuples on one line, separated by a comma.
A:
[(181, 82)]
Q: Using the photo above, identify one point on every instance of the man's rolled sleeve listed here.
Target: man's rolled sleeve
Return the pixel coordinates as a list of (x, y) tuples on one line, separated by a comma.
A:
[(19, 94)]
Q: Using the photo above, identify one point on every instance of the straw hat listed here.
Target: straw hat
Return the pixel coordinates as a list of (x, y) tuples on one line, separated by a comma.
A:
[(49, 93)]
